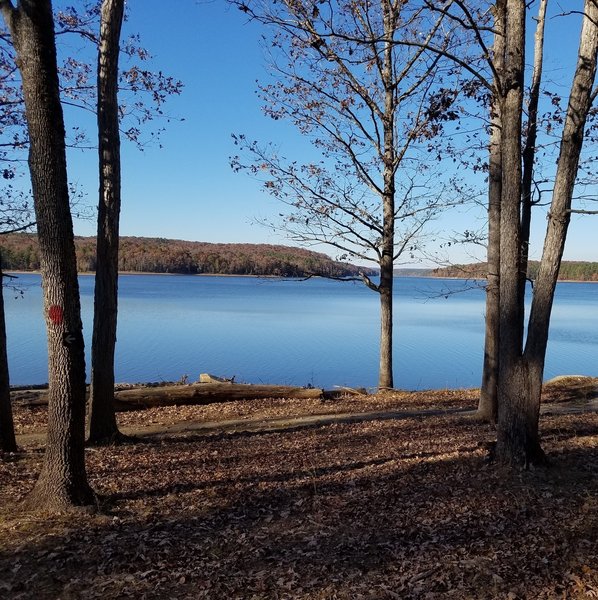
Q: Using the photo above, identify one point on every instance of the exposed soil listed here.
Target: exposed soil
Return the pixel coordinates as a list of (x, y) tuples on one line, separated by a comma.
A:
[(263, 508)]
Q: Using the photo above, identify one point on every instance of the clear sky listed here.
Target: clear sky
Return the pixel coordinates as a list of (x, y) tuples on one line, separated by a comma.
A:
[(186, 189)]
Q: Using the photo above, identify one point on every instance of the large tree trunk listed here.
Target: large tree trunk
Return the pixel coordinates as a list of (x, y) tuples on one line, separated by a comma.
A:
[(8, 443), (521, 378), (102, 427), (62, 482), (517, 439), (488, 404)]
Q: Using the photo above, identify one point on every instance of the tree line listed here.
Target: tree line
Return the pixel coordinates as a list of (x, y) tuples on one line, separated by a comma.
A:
[(571, 270), (20, 252)]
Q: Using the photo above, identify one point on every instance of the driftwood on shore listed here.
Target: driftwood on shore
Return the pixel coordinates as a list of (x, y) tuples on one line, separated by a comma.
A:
[(197, 393), (206, 393)]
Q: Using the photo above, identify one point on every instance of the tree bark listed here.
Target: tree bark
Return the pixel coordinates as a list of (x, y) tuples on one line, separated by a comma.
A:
[(580, 103), (517, 433), (520, 380), (385, 380), (63, 481), (8, 443), (488, 404), (529, 150), (202, 393), (102, 426), (207, 393)]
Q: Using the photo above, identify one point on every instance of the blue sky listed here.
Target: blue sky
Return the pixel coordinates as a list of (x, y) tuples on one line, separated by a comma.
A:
[(186, 189)]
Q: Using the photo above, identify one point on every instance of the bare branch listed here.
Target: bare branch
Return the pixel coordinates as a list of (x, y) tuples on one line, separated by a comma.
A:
[(17, 229)]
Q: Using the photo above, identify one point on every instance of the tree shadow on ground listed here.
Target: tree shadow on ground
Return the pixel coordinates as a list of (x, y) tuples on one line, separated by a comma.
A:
[(363, 514)]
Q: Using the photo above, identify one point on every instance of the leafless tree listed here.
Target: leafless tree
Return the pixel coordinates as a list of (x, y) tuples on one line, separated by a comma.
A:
[(372, 109), (521, 359), (102, 426)]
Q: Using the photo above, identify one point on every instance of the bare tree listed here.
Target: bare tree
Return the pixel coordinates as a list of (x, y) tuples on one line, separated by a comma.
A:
[(144, 93), (102, 426), (521, 370), (371, 109), (63, 481), (488, 405), (521, 359)]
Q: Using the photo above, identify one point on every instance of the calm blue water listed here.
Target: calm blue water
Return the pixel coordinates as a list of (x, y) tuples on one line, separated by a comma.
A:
[(317, 332)]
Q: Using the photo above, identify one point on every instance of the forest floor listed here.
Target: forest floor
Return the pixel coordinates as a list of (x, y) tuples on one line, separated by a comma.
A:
[(382, 496)]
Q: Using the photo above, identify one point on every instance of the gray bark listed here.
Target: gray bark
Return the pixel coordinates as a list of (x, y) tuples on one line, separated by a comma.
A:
[(385, 380), (517, 436), (521, 379), (529, 150), (580, 102), (102, 426), (488, 404), (62, 482)]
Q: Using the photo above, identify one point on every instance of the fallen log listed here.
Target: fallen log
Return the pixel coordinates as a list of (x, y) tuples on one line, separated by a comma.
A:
[(197, 393), (206, 393)]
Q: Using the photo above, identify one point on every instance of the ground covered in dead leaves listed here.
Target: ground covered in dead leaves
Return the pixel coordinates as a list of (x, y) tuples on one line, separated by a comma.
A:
[(393, 508)]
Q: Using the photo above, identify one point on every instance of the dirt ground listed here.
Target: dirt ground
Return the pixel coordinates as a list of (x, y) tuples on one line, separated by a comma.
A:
[(270, 502)]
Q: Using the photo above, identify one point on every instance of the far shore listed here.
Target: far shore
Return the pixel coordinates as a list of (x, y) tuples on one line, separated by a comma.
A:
[(91, 273)]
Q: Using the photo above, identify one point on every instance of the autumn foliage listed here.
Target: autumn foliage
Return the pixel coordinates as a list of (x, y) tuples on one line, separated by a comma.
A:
[(569, 271), (159, 255)]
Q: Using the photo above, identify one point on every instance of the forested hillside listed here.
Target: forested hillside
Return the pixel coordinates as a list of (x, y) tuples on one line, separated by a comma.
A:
[(157, 255), (570, 271)]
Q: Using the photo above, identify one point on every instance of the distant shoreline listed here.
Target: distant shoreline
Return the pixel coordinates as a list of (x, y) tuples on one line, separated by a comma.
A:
[(92, 273), (484, 279), (20, 252)]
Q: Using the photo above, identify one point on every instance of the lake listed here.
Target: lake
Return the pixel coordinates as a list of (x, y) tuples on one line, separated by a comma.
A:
[(317, 332)]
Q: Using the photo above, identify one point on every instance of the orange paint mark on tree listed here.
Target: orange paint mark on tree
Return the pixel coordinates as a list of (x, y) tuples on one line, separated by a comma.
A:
[(56, 314)]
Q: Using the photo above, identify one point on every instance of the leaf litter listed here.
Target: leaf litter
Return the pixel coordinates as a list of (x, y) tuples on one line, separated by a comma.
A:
[(386, 508)]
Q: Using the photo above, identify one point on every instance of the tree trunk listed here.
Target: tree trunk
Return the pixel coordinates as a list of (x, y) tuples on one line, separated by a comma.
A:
[(521, 378), (385, 380), (63, 481), (517, 438), (580, 102), (518, 442), (488, 404), (8, 443), (529, 151), (102, 427), (203, 393)]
